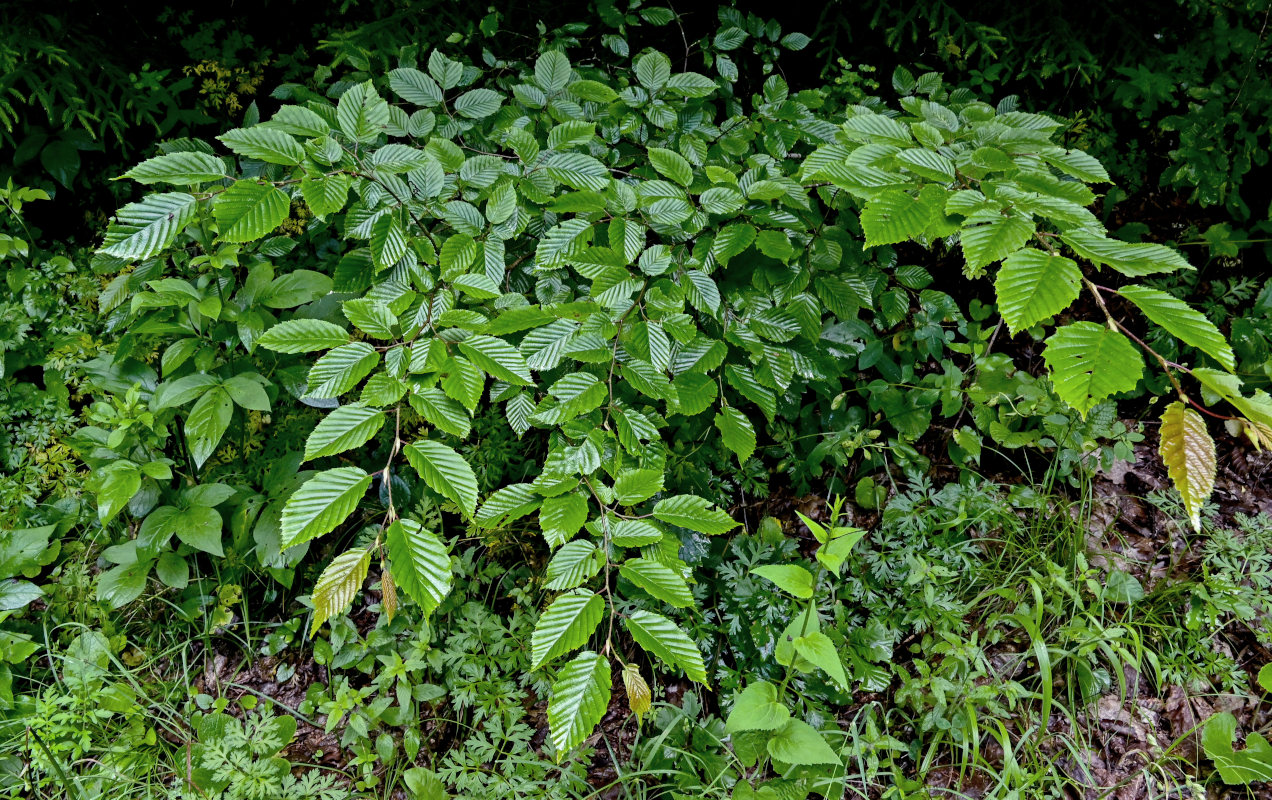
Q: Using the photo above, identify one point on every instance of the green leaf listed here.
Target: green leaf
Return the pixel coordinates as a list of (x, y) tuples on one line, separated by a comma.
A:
[(497, 358), (247, 392), (694, 513), (566, 624), (1189, 455), (361, 113), (895, 216), (927, 164), (1089, 363), (1080, 165), (552, 71), (325, 195), (264, 144), (1033, 285), (634, 486), (420, 563), (820, 651), (736, 432), (296, 288), (665, 640), (199, 527), (789, 577), (690, 84), (340, 369), (757, 708), (441, 411), (145, 228), (659, 580), (671, 164), (343, 429), (594, 91), (178, 169), (1183, 322), (415, 87), (248, 210), (371, 316), (321, 503), (983, 244), (207, 423), (117, 587), (580, 697), (653, 70), (578, 171), (338, 584), (446, 472), (478, 103), (561, 517), (395, 158), (1236, 767), (731, 241), (573, 565), (1132, 260), (800, 744), (388, 241)]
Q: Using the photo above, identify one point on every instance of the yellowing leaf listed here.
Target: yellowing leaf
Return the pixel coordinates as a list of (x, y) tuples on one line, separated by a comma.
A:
[(338, 584), (1189, 455), (638, 694)]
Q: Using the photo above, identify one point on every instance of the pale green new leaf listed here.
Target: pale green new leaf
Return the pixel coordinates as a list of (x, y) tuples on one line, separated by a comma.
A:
[(303, 336), (1033, 285), (421, 566), (694, 513), (566, 624), (321, 503), (446, 472), (580, 698), (1089, 363), (666, 641), (1182, 321), (338, 584), (343, 429)]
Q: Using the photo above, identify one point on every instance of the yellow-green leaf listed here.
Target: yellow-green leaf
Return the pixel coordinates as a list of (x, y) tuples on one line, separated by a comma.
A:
[(338, 584), (1189, 455)]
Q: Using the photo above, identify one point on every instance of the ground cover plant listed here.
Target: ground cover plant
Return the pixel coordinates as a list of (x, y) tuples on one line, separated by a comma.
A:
[(615, 414)]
